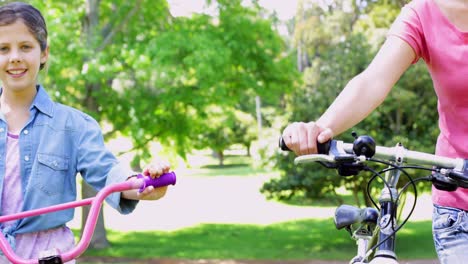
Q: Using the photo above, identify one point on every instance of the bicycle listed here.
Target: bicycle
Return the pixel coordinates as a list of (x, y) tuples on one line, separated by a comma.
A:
[(52, 256), (362, 223)]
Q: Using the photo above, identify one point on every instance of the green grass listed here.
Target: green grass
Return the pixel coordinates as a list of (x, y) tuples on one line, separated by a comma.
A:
[(330, 201), (229, 170), (234, 165), (414, 241), (294, 240)]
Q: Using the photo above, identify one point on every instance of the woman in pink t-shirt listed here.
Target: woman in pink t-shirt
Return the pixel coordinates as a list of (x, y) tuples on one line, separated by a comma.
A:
[(437, 32)]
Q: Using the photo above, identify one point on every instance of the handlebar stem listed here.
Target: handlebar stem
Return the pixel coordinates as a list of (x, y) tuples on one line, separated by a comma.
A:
[(388, 205), (388, 195)]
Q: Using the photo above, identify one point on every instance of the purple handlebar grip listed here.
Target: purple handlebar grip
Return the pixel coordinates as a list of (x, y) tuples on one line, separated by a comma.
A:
[(163, 180)]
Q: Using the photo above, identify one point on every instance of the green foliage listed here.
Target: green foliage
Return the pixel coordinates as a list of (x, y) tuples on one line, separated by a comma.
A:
[(223, 128), (99, 64), (217, 132), (296, 181), (225, 61), (321, 85), (152, 77), (336, 55)]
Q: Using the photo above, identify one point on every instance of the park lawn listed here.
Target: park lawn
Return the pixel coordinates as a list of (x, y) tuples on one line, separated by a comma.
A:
[(293, 240), (234, 165)]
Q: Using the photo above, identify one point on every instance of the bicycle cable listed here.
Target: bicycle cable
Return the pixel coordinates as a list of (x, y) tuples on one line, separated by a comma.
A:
[(412, 182)]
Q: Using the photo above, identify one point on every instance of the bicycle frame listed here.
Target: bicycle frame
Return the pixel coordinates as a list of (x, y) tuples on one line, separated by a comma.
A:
[(140, 182), (359, 221)]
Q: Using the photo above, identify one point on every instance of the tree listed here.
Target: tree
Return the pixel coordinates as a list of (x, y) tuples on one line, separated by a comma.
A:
[(91, 38), (152, 77), (223, 128), (245, 129), (339, 44), (225, 61)]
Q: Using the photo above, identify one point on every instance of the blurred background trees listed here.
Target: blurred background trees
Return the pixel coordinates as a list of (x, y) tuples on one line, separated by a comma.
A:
[(335, 40), (212, 81)]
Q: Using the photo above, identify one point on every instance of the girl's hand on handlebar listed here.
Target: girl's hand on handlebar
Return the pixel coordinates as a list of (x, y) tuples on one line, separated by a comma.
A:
[(157, 168), (302, 137), (154, 170), (151, 193)]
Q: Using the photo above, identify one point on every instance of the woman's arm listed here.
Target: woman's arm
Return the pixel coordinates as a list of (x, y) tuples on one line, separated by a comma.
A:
[(358, 99)]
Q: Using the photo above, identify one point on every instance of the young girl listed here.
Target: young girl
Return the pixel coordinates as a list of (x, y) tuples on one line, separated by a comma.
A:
[(43, 144), (437, 32)]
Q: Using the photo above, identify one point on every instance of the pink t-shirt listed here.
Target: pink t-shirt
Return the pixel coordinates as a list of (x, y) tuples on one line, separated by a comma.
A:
[(29, 245), (444, 48)]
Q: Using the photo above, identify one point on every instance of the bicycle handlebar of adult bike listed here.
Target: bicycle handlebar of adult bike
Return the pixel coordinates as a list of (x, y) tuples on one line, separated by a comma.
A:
[(140, 182), (336, 151)]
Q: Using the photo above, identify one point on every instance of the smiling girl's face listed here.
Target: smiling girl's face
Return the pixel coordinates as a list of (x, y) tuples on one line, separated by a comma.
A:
[(20, 57)]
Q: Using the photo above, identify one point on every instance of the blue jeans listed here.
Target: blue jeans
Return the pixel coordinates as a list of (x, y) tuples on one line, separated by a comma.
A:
[(450, 231)]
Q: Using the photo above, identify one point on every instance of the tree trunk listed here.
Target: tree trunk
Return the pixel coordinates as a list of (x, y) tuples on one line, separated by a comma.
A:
[(99, 239), (258, 109), (97, 40), (221, 158), (247, 148), (90, 29), (303, 60)]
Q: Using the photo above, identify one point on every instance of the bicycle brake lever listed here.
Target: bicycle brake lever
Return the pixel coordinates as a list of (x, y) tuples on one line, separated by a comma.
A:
[(443, 183), (460, 178), (334, 156), (314, 158)]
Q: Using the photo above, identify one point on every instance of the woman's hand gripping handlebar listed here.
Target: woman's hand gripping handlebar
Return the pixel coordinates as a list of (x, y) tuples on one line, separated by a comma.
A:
[(333, 154), (349, 159), (51, 256), (322, 148)]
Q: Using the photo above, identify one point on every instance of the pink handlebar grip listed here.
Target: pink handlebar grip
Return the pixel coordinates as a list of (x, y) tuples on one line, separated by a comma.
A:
[(163, 180)]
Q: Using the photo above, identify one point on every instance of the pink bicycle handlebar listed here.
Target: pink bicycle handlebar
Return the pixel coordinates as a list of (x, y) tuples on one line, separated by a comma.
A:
[(140, 182)]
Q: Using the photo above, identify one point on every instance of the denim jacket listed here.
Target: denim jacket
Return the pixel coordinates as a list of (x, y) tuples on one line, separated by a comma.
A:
[(56, 144)]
